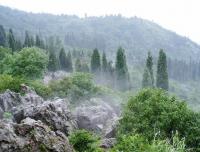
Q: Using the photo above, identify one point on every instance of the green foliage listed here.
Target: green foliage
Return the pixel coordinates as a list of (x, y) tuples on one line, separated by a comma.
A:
[(11, 83), (7, 115), (146, 81), (63, 60), (3, 52), (11, 40), (121, 70), (69, 62), (138, 143), (84, 141), (76, 87), (95, 61), (148, 78), (53, 64), (41, 89), (162, 73), (2, 36), (81, 67), (104, 62), (29, 63), (154, 112)]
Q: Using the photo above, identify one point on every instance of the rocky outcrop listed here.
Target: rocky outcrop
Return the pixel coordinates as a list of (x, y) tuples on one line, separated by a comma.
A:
[(31, 136), (11, 101), (55, 114), (97, 116)]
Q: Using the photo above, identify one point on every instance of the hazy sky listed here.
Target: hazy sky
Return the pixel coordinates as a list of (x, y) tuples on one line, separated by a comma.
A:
[(181, 16)]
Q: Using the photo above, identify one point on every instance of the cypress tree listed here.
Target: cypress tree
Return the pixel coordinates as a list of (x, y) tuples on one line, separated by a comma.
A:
[(53, 64), (27, 41), (63, 60), (69, 62), (18, 45), (37, 41), (162, 73), (104, 62), (2, 36), (11, 40), (148, 78), (95, 61), (146, 81), (78, 65), (121, 69)]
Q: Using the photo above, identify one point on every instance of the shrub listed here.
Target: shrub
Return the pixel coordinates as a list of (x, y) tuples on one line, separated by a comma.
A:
[(138, 143), (76, 87), (84, 141), (29, 63), (153, 111), (11, 83), (41, 89)]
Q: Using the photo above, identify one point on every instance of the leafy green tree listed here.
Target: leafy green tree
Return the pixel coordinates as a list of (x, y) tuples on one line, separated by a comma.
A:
[(162, 73), (53, 64), (121, 69), (30, 63), (11, 40), (69, 62), (95, 61), (84, 141), (104, 63), (146, 81), (153, 112), (2, 36)]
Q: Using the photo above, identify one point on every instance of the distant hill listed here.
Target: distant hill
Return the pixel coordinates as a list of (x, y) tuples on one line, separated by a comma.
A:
[(136, 35)]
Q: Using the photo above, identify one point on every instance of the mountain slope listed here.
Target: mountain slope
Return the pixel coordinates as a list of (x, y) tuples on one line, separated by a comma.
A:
[(136, 35)]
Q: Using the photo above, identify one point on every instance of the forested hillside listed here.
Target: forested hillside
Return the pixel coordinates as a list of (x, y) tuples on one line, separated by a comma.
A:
[(136, 35)]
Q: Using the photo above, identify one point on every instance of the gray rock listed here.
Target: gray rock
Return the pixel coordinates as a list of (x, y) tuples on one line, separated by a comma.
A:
[(31, 136), (97, 116), (55, 114), (107, 143), (11, 101)]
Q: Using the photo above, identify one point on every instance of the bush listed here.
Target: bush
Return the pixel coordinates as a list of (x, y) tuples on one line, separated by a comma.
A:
[(11, 83), (84, 141), (138, 143), (154, 112), (29, 63), (76, 87), (41, 89)]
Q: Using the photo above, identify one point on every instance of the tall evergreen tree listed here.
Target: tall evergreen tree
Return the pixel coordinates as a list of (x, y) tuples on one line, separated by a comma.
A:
[(148, 77), (146, 81), (37, 41), (63, 60), (78, 67), (11, 40), (162, 73), (2, 36), (121, 69), (69, 62), (53, 64), (18, 45), (27, 41), (104, 62), (95, 61)]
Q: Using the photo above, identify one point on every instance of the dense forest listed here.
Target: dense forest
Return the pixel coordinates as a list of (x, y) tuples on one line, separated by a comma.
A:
[(96, 84)]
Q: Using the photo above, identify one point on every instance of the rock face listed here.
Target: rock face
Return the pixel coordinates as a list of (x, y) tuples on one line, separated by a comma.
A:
[(55, 114), (97, 116), (31, 136), (9, 100)]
